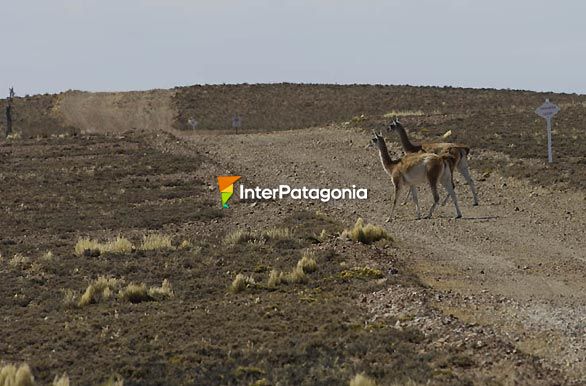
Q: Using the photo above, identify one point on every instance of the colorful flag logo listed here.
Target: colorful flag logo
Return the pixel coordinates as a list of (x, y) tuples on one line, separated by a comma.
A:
[(226, 185)]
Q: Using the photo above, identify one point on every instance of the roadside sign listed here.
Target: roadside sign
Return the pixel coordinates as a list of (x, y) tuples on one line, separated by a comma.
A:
[(547, 110)]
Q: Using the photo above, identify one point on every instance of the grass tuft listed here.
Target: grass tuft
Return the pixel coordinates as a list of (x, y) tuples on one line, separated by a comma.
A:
[(242, 236), (186, 244), (297, 275), (18, 260), (100, 289), (61, 381), (239, 236), (10, 375), (135, 293), (114, 381), (165, 291), (138, 293), (88, 247), (155, 242), (70, 298), (275, 278), (48, 256), (362, 380), (363, 273), (307, 264), (365, 234), (242, 282)]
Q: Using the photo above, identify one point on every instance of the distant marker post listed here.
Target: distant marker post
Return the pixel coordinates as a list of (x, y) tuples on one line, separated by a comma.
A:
[(547, 110)]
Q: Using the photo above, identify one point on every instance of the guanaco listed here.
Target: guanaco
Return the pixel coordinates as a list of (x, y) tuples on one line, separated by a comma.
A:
[(458, 151), (416, 169)]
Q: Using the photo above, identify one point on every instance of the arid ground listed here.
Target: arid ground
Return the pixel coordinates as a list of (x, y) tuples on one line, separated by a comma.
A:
[(497, 297)]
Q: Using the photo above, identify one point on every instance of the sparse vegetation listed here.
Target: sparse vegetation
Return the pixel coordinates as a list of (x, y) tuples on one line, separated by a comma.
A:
[(241, 236), (114, 381), (137, 293), (366, 234), (48, 256), (14, 136), (88, 247), (297, 275), (70, 298), (307, 264), (163, 292), (242, 282), (61, 381), (154, 242), (19, 260), (275, 278), (362, 380), (364, 273), (407, 113), (186, 244), (10, 375), (100, 289)]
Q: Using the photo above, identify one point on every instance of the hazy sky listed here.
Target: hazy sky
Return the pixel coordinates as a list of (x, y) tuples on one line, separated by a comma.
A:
[(56, 45)]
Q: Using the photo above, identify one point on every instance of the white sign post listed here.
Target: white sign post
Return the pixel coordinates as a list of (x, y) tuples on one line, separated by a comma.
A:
[(547, 111)]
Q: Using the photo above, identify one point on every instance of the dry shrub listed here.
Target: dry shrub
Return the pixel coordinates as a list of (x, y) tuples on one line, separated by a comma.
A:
[(13, 136), (10, 375), (366, 234), (186, 244), (165, 291), (137, 293), (362, 380), (100, 289), (307, 264), (297, 275), (155, 242), (277, 234), (275, 278), (241, 236), (120, 245), (48, 256), (70, 298), (61, 381), (114, 381), (242, 282), (406, 113), (364, 273), (84, 245), (18, 260)]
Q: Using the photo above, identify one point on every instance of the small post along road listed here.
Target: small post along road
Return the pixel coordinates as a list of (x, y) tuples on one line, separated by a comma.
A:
[(547, 110)]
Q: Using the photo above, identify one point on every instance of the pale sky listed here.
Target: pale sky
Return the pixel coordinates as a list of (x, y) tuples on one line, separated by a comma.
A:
[(107, 45)]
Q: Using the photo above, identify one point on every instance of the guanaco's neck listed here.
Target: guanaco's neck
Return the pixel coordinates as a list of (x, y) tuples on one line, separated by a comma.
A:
[(385, 158), (407, 145)]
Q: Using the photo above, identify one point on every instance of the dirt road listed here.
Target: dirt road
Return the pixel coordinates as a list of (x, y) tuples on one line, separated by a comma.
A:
[(516, 263)]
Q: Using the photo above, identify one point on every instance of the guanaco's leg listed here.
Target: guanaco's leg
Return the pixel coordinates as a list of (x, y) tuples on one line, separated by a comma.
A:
[(397, 185), (447, 182), (433, 185), (463, 168), (413, 191)]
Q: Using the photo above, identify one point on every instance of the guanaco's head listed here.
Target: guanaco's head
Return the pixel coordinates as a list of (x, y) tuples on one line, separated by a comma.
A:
[(394, 125), (377, 140)]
